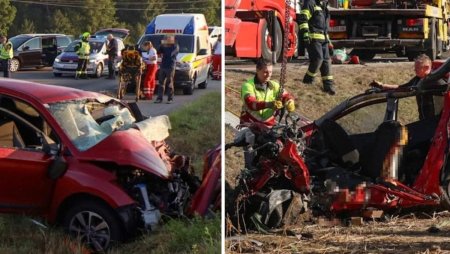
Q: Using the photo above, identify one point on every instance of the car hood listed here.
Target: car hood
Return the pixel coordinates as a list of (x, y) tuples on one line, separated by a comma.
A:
[(128, 148), (70, 56)]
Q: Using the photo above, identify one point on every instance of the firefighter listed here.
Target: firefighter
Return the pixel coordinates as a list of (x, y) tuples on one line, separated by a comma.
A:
[(83, 51), (260, 96), (313, 27), (6, 54)]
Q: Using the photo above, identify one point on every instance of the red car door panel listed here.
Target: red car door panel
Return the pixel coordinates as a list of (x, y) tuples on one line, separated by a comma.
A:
[(24, 185)]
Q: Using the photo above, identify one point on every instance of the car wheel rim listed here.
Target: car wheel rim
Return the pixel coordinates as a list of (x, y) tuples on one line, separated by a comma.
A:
[(91, 228), (99, 71), (14, 65)]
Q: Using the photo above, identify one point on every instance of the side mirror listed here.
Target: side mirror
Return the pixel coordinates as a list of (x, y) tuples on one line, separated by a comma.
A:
[(202, 52), (26, 48), (57, 168)]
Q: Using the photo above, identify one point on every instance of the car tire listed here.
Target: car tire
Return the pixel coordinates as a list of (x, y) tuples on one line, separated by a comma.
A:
[(204, 84), (14, 65), (189, 90), (98, 70), (93, 223), (57, 74)]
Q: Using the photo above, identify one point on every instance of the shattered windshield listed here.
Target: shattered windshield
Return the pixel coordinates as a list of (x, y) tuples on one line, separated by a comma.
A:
[(88, 122)]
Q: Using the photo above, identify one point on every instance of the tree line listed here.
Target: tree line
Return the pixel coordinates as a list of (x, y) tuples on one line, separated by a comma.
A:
[(74, 17)]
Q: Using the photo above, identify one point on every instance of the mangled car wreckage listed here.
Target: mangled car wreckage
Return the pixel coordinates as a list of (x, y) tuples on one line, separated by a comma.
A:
[(90, 163), (372, 151)]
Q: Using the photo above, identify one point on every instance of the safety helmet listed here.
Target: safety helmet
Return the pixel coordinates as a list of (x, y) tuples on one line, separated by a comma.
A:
[(85, 35)]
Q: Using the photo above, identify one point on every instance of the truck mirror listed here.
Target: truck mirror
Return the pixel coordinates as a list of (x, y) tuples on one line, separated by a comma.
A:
[(202, 52)]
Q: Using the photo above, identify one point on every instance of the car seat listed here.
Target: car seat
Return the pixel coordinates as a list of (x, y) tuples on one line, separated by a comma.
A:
[(9, 135), (342, 149), (390, 138)]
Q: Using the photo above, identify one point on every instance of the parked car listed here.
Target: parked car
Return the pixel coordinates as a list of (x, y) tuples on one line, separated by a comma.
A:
[(120, 33), (37, 50), (91, 163), (67, 61)]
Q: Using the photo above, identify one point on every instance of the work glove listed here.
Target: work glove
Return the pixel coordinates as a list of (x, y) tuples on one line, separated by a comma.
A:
[(277, 105), (376, 84), (331, 48), (290, 106), (306, 39)]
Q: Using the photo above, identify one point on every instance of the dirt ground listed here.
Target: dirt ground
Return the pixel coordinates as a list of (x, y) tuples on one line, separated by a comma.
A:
[(404, 233)]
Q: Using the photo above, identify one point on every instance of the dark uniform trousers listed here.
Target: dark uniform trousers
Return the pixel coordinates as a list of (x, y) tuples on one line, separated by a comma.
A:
[(319, 56)]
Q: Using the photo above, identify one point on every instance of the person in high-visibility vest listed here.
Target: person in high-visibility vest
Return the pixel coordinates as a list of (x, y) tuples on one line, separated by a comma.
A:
[(83, 51), (313, 27), (260, 96), (6, 54)]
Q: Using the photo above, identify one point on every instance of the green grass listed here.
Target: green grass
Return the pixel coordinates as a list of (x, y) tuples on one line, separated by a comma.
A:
[(195, 129), (180, 236)]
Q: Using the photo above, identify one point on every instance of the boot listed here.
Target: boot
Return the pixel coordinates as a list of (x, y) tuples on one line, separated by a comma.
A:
[(329, 89), (308, 80)]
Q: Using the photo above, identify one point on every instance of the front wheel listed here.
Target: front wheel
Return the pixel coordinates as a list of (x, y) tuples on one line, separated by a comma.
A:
[(189, 90), (94, 224), (278, 208), (14, 65), (98, 71)]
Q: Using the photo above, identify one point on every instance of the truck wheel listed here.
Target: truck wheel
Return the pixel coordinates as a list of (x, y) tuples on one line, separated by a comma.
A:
[(93, 223), (431, 42), (267, 40)]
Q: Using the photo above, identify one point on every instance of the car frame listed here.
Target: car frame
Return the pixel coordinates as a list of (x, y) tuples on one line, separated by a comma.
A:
[(37, 50), (56, 162)]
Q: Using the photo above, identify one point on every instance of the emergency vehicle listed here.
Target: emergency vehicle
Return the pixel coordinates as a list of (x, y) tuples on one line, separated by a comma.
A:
[(191, 35), (407, 28), (255, 28)]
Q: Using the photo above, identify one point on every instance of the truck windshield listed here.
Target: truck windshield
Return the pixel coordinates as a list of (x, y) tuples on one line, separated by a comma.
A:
[(185, 42)]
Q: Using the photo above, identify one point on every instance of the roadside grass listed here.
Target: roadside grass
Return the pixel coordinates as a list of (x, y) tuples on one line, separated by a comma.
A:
[(197, 236), (195, 129)]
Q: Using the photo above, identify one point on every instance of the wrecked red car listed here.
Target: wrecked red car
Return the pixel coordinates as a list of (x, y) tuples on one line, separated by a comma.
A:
[(373, 151), (88, 162)]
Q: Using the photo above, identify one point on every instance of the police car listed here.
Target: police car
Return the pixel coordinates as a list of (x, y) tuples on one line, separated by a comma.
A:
[(67, 61), (191, 35)]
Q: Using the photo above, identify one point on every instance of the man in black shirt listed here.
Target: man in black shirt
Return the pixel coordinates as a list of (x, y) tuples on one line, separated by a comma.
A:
[(422, 67), (111, 50)]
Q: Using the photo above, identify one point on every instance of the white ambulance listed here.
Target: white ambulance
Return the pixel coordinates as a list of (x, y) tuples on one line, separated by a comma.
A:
[(191, 35)]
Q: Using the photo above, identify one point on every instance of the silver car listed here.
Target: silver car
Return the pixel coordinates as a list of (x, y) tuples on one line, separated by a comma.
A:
[(67, 61)]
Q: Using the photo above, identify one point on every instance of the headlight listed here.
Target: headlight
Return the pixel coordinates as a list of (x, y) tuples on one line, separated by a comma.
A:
[(57, 60), (184, 66)]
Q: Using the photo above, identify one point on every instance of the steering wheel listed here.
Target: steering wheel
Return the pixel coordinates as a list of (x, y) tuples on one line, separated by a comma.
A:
[(104, 118)]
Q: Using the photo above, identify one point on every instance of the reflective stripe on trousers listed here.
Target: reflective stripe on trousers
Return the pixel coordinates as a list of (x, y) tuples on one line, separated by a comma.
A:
[(319, 60)]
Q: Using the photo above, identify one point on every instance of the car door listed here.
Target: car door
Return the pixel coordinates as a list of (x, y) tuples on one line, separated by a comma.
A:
[(201, 61), (49, 50), (30, 53), (24, 184)]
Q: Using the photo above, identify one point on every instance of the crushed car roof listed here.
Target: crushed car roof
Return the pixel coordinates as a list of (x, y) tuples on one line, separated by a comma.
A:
[(44, 93)]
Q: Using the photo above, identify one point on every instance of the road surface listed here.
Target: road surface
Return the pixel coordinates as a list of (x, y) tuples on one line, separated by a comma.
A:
[(147, 107)]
